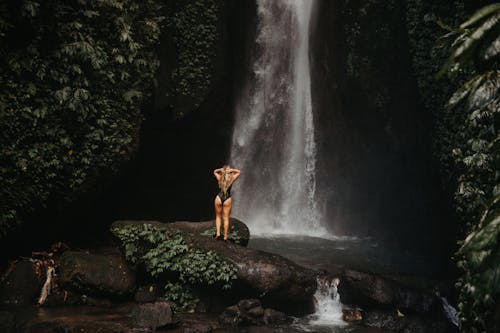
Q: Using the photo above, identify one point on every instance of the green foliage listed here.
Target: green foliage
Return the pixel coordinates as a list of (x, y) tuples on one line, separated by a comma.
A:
[(233, 236), (74, 75), (163, 252), (475, 42), (480, 284), (194, 27), (427, 60), (180, 296), (476, 156)]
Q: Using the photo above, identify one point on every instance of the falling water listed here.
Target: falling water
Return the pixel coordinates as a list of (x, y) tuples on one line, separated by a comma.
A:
[(273, 139), (328, 305)]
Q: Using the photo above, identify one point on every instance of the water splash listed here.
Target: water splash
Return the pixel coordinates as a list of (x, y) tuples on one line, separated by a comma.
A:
[(273, 139), (328, 305)]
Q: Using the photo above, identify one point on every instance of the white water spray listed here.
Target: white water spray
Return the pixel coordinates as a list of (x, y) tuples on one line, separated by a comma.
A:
[(273, 139), (328, 306)]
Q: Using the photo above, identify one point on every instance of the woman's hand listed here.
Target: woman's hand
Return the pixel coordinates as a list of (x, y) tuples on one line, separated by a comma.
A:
[(218, 173), (236, 173)]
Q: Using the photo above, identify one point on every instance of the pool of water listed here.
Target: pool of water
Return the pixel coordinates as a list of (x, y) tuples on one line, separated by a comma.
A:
[(335, 253)]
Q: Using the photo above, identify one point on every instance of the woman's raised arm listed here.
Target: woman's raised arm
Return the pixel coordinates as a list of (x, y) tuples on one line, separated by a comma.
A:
[(236, 173)]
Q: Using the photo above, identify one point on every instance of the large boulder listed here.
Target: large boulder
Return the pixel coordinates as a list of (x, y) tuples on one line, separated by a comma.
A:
[(372, 290), (21, 286), (279, 282), (238, 231), (96, 274), (152, 315)]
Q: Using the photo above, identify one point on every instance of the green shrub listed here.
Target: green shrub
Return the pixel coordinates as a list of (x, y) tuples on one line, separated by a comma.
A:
[(165, 253), (74, 76), (180, 296)]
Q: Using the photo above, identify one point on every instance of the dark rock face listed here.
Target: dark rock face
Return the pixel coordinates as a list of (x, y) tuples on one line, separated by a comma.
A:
[(21, 286), (284, 285), (250, 312), (373, 140), (365, 289), (152, 315), (96, 274)]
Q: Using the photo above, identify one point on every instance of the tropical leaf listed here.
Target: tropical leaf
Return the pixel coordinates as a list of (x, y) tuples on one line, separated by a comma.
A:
[(481, 14)]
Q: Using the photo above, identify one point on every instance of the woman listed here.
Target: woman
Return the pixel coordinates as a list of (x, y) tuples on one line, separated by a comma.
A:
[(223, 203)]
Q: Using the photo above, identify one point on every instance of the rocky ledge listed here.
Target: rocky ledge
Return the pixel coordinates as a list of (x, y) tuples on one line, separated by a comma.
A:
[(278, 282), (132, 285)]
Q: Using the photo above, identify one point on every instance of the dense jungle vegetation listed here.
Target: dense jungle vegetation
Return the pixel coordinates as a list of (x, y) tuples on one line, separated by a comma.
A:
[(76, 76), (466, 142)]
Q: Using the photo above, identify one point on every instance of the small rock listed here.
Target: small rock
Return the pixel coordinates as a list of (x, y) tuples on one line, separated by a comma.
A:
[(351, 315), (256, 312), (152, 315), (273, 317), (231, 316), (247, 304)]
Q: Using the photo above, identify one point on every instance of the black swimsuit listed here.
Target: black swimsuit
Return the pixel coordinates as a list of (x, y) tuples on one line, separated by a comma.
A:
[(224, 197)]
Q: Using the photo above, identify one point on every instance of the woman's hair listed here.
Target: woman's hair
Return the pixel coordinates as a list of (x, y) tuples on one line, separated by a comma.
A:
[(225, 179)]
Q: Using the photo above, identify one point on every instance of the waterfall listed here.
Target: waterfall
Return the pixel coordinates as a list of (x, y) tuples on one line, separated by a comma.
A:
[(328, 305), (273, 140)]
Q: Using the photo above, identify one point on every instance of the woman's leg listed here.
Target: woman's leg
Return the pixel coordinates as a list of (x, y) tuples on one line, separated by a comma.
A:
[(218, 215), (226, 212)]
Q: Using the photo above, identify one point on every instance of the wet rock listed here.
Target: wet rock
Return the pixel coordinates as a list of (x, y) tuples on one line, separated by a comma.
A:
[(232, 316), (96, 274), (273, 317), (256, 312), (250, 312), (21, 286), (198, 328), (365, 289), (371, 290), (248, 304), (152, 315), (146, 294), (284, 285), (391, 320), (351, 315)]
